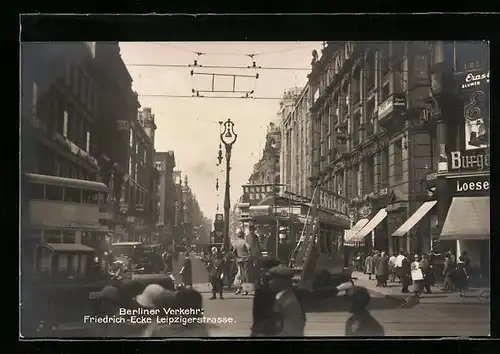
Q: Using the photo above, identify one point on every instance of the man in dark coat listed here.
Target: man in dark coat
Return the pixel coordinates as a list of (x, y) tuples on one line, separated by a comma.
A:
[(216, 272), (361, 323), (405, 273), (425, 266), (383, 270), (376, 257)]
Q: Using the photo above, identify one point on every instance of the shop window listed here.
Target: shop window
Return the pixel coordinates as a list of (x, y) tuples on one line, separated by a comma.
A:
[(73, 195), (54, 193)]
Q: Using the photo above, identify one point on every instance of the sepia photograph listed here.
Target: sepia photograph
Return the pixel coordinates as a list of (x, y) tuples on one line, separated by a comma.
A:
[(251, 189)]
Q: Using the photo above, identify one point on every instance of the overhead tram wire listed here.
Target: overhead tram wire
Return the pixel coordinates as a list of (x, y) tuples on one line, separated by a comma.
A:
[(214, 97), (215, 67)]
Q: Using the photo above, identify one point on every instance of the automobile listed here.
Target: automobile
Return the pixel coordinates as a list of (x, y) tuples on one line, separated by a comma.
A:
[(58, 292)]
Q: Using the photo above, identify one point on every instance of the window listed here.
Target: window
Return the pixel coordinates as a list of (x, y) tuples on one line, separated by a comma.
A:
[(369, 174), (68, 237), (76, 80), (83, 88), (63, 262), (131, 138), (53, 193), (398, 162), (385, 92), (90, 197), (103, 198), (354, 187), (384, 177), (36, 191), (136, 148), (420, 66), (67, 75), (73, 195), (65, 124), (144, 158), (136, 176), (35, 98), (87, 142), (437, 52), (52, 236), (130, 166), (83, 263)]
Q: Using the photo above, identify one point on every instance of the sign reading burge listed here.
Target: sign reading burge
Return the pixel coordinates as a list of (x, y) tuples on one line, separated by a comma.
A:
[(471, 186), (469, 160)]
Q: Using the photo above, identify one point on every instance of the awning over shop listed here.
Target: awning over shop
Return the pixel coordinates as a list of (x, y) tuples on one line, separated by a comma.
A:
[(370, 226), (468, 219), (415, 218), (357, 227)]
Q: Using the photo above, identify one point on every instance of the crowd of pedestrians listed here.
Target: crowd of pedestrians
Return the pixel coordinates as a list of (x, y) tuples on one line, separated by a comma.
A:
[(419, 270)]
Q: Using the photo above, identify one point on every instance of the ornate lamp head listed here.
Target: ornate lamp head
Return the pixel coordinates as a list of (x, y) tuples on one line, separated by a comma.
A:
[(228, 136)]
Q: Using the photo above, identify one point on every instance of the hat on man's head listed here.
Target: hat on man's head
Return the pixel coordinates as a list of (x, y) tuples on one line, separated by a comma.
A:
[(150, 295), (110, 293), (165, 299), (359, 296), (281, 272)]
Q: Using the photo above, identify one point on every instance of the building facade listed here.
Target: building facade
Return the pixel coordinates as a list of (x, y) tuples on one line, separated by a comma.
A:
[(370, 151), (457, 123), (165, 164), (59, 110), (267, 169)]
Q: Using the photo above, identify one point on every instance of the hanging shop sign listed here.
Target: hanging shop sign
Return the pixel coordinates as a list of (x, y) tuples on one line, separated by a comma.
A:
[(469, 160), (396, 103), (471, 186)]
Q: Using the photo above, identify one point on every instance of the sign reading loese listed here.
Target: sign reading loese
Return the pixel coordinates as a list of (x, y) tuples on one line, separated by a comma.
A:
[(478, 185)]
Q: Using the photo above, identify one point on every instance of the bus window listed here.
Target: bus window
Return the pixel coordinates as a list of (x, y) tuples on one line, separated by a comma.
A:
[(35, 191), (73, 195), (68, 237), (63, 262), (53, 193), (52, 236), (103, 200), (90, 197)]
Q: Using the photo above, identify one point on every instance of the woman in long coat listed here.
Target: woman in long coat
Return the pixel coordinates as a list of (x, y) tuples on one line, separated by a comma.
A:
[(382, 270), (369, 266)]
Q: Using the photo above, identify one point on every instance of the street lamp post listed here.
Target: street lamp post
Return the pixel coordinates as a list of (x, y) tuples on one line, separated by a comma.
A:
[(228, 138)]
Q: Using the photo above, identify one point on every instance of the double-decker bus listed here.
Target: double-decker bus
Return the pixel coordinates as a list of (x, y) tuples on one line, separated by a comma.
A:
[(61, 210)]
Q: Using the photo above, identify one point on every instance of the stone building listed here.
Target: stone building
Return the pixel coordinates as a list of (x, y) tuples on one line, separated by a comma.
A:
[(457, 126), (369, 146), (165, 164)]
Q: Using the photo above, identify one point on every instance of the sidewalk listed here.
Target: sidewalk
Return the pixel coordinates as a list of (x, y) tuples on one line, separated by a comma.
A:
[(206, 288), (393, 290)]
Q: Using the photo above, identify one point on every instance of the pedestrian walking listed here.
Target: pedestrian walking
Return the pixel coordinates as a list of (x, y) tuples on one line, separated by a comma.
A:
[(417, 277), (404, 271), (392, 268), (216, 271), (376, 257), (426, 267), (255, 254), (448, 270), (168, 259), (242, 255), (361, 323), (383, 270), (369, 266), (186, 272), (461, 276), (286, 305)]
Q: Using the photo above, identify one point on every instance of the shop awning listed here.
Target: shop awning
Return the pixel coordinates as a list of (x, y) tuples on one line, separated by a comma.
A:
[(370, 226), (415, 218), (468, 219), (357, 227)]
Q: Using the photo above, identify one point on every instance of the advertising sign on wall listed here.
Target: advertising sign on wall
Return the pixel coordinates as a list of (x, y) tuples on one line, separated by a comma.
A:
[(471, 186), (474, 90)]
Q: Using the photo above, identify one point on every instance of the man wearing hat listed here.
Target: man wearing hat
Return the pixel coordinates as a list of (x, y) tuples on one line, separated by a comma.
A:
[(361, 323), (242, 255), (163, 299), (255, 254), (283, 249), (286, 304), (216, 272), (149, 296)]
